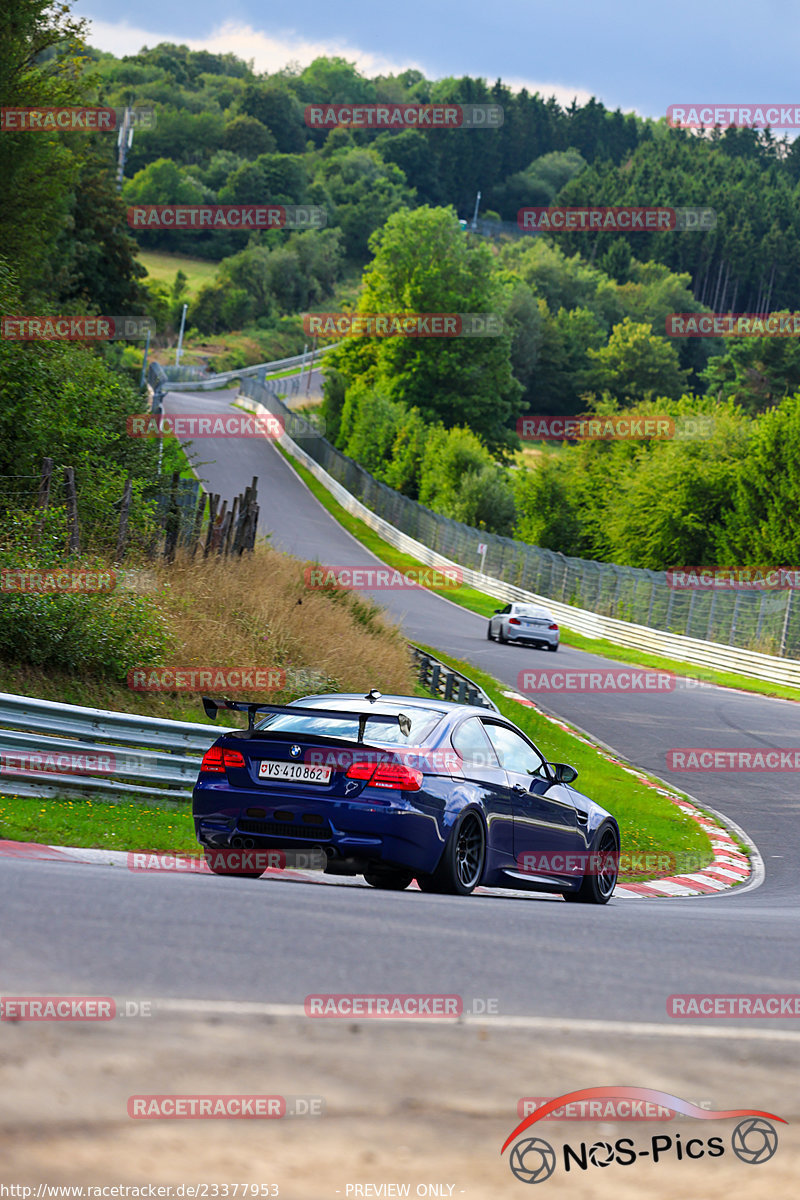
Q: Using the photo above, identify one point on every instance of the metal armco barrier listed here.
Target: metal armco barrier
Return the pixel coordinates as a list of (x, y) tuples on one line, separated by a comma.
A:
[(447, 684), (695, 651), (130, 757)]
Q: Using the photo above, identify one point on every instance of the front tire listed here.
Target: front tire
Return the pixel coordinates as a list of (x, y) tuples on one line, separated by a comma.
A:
[(598, 888), (463, 859)]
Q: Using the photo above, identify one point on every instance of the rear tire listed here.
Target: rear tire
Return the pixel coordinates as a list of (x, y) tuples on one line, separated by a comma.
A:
[(501, 637), (598, 889), (389, 881), (463, 859), (553, 648), (489, 636), (215, 861)]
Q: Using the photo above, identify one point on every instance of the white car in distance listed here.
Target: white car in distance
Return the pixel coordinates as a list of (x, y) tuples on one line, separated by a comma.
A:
[(531, 624)]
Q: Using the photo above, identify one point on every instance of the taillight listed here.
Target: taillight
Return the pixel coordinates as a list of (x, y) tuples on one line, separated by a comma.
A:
[(217, 758), (552, 627), (514, 621), (387, 775)]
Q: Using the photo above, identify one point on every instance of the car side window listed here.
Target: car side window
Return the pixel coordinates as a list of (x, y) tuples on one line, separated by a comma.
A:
[(514, 752), (473, 745), (505, 611)]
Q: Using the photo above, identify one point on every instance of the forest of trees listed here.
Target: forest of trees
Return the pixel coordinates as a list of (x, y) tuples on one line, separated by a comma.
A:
[(583, 313)]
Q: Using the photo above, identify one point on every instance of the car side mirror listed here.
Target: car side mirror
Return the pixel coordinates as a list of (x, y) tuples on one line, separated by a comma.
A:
[(496, 611), (563, 773)]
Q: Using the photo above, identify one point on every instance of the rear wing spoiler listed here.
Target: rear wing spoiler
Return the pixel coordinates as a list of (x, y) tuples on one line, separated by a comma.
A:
[(212, 707)]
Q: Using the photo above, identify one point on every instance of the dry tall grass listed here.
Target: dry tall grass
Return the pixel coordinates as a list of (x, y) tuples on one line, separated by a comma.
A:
[(256, 612)]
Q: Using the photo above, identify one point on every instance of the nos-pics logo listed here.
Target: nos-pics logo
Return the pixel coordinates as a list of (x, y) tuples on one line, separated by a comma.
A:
[(754, 1139)]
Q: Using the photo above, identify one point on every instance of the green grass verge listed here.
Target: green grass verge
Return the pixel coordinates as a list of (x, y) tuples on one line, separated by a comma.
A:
[(164, 267), (484, 606), (97, 823), (649, 823)]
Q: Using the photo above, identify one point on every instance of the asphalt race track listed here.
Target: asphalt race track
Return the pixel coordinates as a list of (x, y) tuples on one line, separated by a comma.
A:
[(115, 933)]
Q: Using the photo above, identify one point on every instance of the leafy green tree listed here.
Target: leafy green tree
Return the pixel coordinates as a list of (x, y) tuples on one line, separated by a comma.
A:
[(247, 137), (636, 363), (763, 527), (755, 372), (276, 107), (423, 264), (41, 61), (364, 192), (459, 479)]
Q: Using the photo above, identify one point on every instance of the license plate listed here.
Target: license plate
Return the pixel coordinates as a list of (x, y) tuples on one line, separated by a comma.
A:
[(294, 772)]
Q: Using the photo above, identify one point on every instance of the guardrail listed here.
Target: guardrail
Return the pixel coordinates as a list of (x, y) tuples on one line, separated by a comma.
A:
[(64, 750), (445, 683), (176, 378)]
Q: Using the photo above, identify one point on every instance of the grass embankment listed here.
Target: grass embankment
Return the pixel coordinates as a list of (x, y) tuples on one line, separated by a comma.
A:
[(484, 606), (251, 612)]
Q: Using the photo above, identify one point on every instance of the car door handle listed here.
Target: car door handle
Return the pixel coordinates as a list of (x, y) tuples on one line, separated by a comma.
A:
[(520, 787)]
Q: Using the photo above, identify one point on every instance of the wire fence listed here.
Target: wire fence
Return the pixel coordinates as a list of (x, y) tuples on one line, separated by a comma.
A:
[(766, 620)]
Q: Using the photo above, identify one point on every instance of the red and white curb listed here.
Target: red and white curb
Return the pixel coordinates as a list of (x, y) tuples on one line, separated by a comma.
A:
[(729, 867)]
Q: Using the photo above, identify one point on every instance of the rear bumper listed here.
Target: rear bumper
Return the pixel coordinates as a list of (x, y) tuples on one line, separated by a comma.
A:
[(396, 832), (540, 637)]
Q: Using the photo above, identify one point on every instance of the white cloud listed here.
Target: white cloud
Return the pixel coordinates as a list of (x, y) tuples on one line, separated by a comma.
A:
[(273, 53), (268, 53)]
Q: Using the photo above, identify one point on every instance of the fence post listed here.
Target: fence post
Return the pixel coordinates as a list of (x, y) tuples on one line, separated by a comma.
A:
[(73, 542), (213, 501), (124, 509), (198, 521), (43, 499), (231, 525), (786, 622), (172, 523)]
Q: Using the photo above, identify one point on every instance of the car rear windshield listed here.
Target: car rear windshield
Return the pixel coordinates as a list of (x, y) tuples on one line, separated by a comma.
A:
[(423, 721)]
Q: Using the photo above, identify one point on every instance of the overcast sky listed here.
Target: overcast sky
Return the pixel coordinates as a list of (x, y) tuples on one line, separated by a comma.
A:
[(636, 55)]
